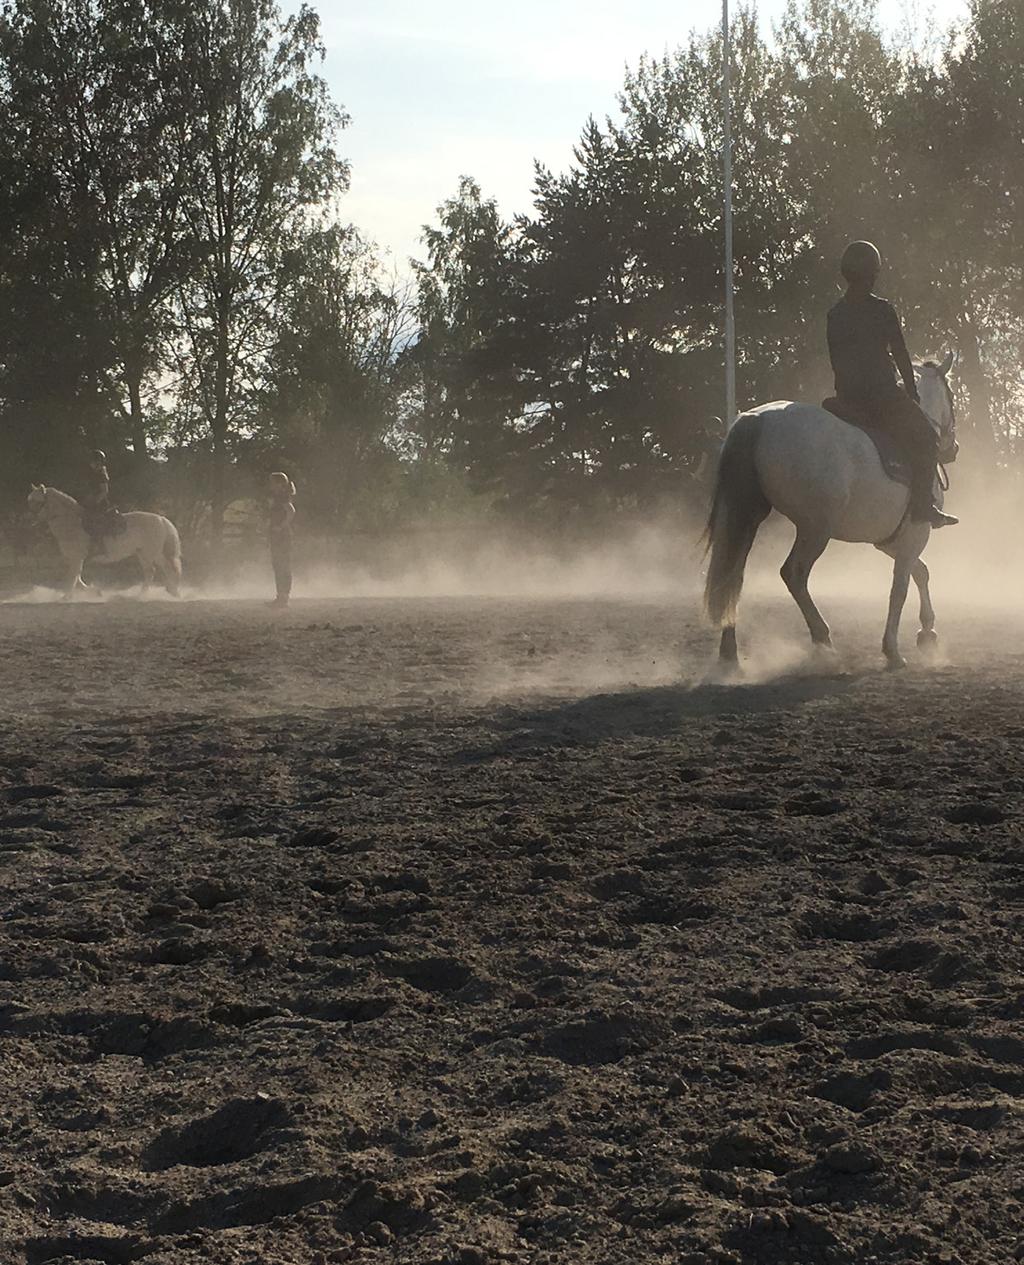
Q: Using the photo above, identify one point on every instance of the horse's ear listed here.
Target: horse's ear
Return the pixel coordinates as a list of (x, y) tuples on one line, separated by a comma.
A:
[(947, 363)]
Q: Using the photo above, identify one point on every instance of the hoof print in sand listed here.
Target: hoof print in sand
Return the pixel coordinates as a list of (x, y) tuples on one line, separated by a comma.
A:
[(744, 1146), (836, 924), (237, 1130), (400, 1211), (180, 951), (811, 804), (356, 1009), (257, 1204), (313, 837), (431, 974), (666, 910), (86, 1249), (601, 1038), (976, 813), (209, 893), (940, 966), (19, 794), (852, 1090)]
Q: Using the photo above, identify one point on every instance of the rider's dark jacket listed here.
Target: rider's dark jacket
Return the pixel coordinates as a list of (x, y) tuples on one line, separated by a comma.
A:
[(97, 490), (867, 347), (865, 342)]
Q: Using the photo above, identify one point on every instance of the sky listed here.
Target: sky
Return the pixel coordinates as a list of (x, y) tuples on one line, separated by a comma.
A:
[(437, 89)]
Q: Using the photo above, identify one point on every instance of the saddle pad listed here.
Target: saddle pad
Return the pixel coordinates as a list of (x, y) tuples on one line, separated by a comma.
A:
[(889, 449)]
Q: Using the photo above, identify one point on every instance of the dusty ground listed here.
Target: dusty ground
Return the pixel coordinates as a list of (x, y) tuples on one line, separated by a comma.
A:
[(462, 932)]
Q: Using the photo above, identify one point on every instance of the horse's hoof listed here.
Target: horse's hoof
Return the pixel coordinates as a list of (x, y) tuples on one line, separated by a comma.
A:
[(928, 641), (895, 662)]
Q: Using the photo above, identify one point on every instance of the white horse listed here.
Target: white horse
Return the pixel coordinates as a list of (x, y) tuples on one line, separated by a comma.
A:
[(826, 477), (151, 538)]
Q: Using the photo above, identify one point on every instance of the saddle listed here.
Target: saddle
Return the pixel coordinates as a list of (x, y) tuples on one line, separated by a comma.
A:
[(104, 522), (891, 452)]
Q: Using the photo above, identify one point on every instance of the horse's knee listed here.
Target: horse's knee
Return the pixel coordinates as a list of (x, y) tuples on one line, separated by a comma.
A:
[(794, 574)]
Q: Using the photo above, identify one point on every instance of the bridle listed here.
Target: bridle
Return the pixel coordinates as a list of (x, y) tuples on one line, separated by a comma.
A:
[(948, 448), (38, 508)]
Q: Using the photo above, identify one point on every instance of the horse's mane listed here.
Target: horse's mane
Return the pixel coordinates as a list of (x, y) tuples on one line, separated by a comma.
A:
[(934, 364), (60, 496)]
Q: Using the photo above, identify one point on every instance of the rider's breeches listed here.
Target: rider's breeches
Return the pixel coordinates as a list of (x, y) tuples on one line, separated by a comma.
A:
[(905, 418), (281, 557)]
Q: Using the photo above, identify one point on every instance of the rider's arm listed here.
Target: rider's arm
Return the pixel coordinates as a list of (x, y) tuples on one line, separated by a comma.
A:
[(829, 328), (898, 347)]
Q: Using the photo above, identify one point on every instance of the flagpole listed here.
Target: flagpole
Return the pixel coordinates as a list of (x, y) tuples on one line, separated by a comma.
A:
[(730, 315)]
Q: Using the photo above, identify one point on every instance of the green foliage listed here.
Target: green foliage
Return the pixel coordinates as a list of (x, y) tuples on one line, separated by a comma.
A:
[(176, 284), (581, 352)]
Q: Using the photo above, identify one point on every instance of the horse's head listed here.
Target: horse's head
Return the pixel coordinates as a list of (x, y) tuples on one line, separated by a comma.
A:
[(37, 500), (937, 402)]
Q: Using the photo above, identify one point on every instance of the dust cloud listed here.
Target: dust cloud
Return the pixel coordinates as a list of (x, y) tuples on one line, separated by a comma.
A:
[(977, 568)]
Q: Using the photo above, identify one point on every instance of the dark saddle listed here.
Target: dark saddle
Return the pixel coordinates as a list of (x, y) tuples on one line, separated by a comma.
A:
[(106, 521), (891, 452)]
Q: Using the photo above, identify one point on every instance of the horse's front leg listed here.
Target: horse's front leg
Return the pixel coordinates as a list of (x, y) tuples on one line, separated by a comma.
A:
[(897, 600), (74, 580), (927, 638)]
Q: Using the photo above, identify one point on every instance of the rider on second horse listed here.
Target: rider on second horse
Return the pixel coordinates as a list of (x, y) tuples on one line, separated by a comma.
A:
[(99, 517), (866, 346)]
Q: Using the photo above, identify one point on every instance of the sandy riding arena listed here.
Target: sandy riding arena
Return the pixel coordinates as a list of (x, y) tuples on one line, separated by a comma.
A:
[(464, 931)]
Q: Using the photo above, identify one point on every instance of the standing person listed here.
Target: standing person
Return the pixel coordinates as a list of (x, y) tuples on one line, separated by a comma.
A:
[(281, 515), (867, 348)]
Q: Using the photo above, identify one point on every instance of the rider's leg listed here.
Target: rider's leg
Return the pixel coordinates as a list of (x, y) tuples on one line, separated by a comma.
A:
[(910, 423), (281, 558), (807, 549)]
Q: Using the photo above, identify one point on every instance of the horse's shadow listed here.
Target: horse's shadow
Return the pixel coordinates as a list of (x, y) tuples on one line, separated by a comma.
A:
[(652, 712)]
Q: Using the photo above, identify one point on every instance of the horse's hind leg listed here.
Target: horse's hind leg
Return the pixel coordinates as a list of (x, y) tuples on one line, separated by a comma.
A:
[(170, 571), (807, 549)]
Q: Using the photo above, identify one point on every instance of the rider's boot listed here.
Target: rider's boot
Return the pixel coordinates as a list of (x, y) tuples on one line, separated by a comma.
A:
[(924, 510), (922, 499)]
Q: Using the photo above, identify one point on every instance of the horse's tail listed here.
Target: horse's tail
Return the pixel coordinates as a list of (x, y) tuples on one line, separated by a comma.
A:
[(172, 557), (738, 509)]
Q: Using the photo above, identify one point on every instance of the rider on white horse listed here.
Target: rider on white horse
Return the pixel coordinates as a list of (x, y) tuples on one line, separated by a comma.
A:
[(99, 517), (866, 346)]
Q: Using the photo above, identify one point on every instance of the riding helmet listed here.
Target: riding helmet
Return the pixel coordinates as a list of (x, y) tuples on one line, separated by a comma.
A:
[(861, 262)]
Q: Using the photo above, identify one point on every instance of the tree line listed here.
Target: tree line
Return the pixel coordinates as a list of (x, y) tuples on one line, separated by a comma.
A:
[(179, 284)]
